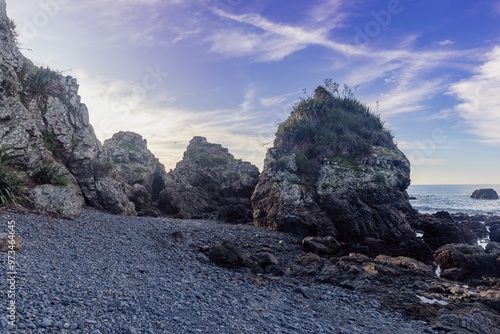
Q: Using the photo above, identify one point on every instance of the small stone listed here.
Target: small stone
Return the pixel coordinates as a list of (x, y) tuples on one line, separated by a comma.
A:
[(131, 330), (46, 323)]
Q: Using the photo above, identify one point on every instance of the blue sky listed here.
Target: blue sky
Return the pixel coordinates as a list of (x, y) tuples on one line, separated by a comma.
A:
[(231, 70)]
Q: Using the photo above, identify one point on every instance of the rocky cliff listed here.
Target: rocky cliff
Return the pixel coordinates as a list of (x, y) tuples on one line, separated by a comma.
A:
[(335, 171), (209, 181), (45, 132)]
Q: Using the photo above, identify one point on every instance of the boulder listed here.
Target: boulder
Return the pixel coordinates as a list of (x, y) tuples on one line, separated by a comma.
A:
[(227, 255), (473, 261), (209, 182), (321, 245), (487, 193), (61, 201), (495, 234), (325, 176), (440, 229), (6, 243)]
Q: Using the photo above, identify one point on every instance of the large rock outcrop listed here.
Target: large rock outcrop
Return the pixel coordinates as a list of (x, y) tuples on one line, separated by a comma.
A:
[(209, 182), (335, 171), (487, 193), (42, 121), (131, 161)]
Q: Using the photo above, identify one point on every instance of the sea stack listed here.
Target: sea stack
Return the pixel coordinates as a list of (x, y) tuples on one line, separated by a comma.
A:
[(335, 171)]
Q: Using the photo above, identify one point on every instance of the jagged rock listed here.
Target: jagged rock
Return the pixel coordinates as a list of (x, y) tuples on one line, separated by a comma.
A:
[(5, 243), (350, 189), (42, 119), (493, 248), (210, 181), (111, 194), (440, 229), (132, 162), (474, 261), (62, 201), (487, 193)]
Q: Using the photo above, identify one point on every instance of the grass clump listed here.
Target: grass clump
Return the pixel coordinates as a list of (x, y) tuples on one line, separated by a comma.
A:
[(12, 188), (331, 125), (49, 173)]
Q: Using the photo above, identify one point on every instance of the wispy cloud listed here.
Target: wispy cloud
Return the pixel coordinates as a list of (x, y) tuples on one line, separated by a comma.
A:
[(480, 105), (116, 105), (445, 42)]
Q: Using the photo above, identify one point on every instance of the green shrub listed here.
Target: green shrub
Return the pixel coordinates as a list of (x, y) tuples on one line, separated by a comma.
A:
[(379, 178), (12, 188), (51, 142), (49, 173)]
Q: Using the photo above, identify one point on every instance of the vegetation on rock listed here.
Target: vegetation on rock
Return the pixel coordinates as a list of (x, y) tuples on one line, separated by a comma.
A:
[(49, 173), (12, 188), (331, 126)]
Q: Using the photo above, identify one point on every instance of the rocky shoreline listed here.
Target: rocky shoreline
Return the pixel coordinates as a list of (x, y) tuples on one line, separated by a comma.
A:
[(102, 273)]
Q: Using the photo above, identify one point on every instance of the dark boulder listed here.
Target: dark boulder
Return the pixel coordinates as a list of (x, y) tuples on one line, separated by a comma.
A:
[(473, 261), (441, 229), (487, 193), (495, 234)]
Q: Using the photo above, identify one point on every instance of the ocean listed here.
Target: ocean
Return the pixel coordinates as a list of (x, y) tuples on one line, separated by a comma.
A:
[(452, 198)]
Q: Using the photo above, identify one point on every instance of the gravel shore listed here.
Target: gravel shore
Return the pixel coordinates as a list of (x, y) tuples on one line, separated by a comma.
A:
[(102, 273)]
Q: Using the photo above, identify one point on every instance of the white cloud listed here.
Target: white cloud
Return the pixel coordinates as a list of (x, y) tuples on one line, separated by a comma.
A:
[(445, 42), (480, 105), (116, 105)]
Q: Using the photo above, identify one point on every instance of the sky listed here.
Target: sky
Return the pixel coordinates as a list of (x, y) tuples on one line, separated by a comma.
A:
[(231, 71)]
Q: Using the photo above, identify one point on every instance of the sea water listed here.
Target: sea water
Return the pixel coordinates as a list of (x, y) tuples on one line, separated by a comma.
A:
[(452, 198)]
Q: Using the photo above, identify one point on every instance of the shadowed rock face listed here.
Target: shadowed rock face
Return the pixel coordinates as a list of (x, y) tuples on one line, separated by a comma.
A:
[(487, 193), (210, 181), (132, 162), (353, 193)]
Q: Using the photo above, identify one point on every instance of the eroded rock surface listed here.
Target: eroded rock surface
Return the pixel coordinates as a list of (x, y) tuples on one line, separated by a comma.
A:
[(348, 187), (131, 161), (209, 181)]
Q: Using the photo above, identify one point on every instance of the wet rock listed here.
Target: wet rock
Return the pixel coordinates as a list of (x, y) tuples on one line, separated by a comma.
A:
[(495, 234), (473, 260), (265, 259), (441, 229)]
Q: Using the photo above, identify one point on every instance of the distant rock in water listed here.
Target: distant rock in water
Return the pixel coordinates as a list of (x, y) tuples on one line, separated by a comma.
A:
[(210, 182), (335, 171), (487, 193)]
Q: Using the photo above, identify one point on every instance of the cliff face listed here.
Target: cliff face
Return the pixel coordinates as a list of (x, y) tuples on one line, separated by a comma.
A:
[(335, 171), (43, 123), (209, 181)]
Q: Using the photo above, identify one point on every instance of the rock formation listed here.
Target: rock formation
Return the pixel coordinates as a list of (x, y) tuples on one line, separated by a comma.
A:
[(335, 171), (487, 193), (44, 123), (210, 182), (131, 161)]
